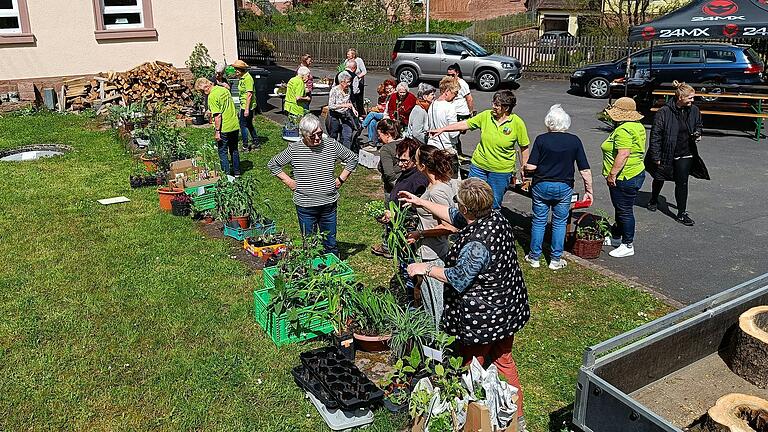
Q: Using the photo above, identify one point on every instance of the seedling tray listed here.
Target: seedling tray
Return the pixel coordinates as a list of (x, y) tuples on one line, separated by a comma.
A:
[(264, 252), (241, 234), (340, 420), (277, 326), (307, 382), (343, 270), (341, 378)]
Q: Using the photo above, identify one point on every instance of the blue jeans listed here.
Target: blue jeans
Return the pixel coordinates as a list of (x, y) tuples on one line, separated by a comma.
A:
[(497, 181), (320, 218), (371, 121), (246, 128), (341, 128), (555, 196), (229, 143), (623, 199)]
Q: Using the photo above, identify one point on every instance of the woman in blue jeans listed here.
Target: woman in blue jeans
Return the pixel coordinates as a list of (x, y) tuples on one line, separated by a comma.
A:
[(551, 161), (624, 172)]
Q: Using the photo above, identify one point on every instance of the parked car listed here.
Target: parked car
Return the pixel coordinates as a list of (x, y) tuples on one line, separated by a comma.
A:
[(427, 57), (550, 40), (700, 63)]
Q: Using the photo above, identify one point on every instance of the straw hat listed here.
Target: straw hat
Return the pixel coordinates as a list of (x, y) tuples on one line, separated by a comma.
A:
[(624, 109), (239, 64)]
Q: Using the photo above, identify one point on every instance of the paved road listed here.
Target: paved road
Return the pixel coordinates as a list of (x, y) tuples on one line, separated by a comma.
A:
[(728, 244)]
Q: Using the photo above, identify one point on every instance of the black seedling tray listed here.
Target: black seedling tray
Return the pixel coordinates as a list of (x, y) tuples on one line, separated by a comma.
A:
[(307, 382), (341, 378)]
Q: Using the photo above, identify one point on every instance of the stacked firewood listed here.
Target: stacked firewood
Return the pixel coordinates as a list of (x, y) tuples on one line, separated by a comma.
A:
[(153, 82)]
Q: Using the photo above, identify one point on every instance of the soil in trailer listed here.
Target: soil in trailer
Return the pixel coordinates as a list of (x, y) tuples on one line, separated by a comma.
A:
[(684, 396)]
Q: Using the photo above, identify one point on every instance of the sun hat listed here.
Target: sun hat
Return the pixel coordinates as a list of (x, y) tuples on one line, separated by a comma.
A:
[(624, 109), (239, 64)]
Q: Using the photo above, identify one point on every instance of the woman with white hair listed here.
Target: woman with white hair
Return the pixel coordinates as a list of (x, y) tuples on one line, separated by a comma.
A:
[(341, 111), (551, 161), (295, 93), (219, 78), (400, 104), (314, 185)]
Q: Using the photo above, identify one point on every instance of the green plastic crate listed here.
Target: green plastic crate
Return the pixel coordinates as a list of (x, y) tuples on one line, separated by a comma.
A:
[(277, 326), (242, 234), (206, 201), (345, 271)]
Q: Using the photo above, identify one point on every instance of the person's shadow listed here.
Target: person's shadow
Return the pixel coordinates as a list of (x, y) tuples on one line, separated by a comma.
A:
[(562, 419), (643, 198), (347, 250)]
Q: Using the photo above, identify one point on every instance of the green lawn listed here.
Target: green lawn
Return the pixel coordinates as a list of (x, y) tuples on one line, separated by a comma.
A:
[(127, 318)]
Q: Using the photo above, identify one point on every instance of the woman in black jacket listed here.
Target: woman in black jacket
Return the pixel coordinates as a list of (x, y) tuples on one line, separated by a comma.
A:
[(672, 153)]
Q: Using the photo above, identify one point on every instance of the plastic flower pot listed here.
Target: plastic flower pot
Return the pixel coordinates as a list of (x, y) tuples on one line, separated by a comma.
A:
[(150, 162), (166, 195), (372, 343)]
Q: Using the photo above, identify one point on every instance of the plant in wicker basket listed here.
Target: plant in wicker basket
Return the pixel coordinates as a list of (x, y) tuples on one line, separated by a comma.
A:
[(590, 237)]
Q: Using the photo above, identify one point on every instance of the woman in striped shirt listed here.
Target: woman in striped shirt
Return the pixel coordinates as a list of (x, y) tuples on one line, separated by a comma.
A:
[(315, 188)]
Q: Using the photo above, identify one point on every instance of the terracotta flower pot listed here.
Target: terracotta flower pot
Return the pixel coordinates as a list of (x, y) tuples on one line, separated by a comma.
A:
[(166, 195), (208, 219), (372, 343), (242, 220), (149, 162)]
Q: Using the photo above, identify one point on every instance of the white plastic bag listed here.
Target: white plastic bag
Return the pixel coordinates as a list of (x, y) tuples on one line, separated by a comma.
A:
[(500, 396)]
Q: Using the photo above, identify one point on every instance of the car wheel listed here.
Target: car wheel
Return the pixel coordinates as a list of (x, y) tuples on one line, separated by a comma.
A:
[(408, 75), (597, 88), (488, 80)]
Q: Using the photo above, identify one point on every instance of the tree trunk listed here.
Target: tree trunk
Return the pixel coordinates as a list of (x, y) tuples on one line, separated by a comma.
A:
[(750, 355), (737, 412)]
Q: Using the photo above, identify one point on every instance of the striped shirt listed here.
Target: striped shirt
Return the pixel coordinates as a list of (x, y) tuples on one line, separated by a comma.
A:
[(313, 170)]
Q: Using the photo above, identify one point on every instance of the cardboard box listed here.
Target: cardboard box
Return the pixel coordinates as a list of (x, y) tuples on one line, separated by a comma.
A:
[(478, 420), (198, 183)]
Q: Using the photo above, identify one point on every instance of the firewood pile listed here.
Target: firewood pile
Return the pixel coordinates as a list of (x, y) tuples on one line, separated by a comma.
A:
[(153, 82)]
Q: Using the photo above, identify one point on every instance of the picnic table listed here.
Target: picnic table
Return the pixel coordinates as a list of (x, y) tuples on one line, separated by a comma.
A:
[(754, 100), (318, 90)]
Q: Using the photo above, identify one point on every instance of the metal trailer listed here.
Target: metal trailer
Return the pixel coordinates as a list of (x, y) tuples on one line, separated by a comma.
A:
[(679, 349)]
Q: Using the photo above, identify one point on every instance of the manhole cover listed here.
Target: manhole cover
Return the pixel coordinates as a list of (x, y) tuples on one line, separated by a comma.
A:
[(29, 153)]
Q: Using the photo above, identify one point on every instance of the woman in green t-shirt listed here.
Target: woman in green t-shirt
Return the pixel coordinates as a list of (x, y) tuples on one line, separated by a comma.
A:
[(295, 93), (624, 171)]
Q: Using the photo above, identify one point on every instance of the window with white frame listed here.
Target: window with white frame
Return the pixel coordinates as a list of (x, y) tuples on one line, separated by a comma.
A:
[(121, 14), (10, 19)]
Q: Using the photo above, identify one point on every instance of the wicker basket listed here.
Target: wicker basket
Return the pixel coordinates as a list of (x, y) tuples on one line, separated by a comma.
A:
[(584, 248)]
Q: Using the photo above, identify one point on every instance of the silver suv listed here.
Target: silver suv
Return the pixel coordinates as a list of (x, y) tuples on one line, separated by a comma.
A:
[(426, 56)]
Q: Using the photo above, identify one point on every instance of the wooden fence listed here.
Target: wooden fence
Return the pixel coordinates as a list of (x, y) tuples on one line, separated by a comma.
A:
[(536, 55)]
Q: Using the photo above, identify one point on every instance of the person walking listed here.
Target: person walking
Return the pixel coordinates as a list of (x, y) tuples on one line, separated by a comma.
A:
[(341, 111), (551, 161), (502, 133), (309, 85), (486, 300), (418, 121), (314, 185), (673, 149), (226, 124), (245, 88), (296, 94), (624, 172)]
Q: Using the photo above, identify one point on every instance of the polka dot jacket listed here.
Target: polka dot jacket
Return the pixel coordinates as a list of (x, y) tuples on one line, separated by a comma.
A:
[(495, 305)]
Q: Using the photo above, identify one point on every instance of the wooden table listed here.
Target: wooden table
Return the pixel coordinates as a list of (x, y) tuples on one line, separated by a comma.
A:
[(755, 101)]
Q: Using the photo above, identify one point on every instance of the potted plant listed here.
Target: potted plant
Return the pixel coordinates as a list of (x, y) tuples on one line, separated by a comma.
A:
[(371, 312), (150, 161), (180, 205), (198, 103), (400, 382), (167, 194), (411, 328), (233, 204), (137, 176), (589, 238)]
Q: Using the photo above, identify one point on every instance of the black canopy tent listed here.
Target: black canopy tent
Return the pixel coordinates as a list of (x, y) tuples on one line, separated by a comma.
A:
[(704, 19)]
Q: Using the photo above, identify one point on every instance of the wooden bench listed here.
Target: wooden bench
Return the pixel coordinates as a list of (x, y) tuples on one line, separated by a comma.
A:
[(757, 116)]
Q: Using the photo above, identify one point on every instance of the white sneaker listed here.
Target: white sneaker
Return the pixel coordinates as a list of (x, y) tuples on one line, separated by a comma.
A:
[(557, 265), (625, 250), (534, 263), (610, 241)]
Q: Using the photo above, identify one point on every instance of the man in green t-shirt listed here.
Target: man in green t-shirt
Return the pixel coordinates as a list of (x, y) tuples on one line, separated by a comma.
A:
[(222, 108), (245, 89)]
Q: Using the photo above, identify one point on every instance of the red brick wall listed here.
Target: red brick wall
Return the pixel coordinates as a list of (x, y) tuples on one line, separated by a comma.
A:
[(473, 10)]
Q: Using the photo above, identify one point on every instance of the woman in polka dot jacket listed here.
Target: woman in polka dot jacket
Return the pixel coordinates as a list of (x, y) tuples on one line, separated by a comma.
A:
[(486, 301)]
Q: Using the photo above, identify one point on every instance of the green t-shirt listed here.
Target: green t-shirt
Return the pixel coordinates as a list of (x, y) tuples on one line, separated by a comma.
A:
[(220, 102), (628, 135), (496, 151), (294, 89), (244, 86)]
